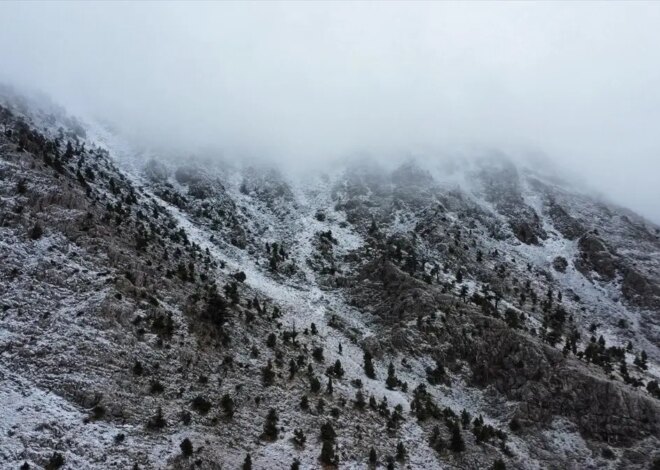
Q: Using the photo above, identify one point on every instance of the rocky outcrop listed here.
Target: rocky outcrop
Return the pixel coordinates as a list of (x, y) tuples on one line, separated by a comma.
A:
[(402, 297), (526, 232), (596, 257), (502, 188), (640, 290), (563, 222), (548, 384), (545, 382)]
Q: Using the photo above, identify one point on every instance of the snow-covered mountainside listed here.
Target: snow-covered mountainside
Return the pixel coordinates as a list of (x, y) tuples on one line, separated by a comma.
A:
[(195, 313)]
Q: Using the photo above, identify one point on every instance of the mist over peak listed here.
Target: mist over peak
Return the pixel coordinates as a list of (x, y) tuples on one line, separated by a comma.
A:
[(305, 84)]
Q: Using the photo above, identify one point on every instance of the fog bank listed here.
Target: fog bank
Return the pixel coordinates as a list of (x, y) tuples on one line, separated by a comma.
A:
[(303, 83)]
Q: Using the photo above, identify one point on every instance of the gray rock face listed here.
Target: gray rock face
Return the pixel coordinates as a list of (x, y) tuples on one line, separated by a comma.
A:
[(548, 384), (562, 221), (595, 256), (406, 299), (543, 381), (526, 232), (502, 187), (638, 289)]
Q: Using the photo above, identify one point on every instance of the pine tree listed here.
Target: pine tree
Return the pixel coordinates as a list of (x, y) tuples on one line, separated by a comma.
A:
[(268, 374), (201, 404), (293, 368), (623, 370), (137, 368), (227, 404), (299, 437), (36, 232), (68, 153), (338, 370), (360, 402), (514, 425), (436, 441), (401, 452), (186, 447), (498, 465), (373, 228), (315, 384), (373, 457), (56, 461), (270, 426), (369, 366), (157, 421), (464, 292), (317, 354), (247, 463), (435, 376), (653, 388), (372, 402), (457, 444), (465, 417), (391, 382), (328, 453), (643, 358), (328, 432), (304, 403)]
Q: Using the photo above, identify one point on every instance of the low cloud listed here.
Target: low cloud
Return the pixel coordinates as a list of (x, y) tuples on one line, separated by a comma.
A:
[(306, 83)]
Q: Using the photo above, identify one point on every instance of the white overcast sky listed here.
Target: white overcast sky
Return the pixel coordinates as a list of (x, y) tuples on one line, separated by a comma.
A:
[(579, 82)]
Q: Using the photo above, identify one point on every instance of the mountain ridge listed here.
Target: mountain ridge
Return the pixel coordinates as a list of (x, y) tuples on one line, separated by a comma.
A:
[(210, 277)]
